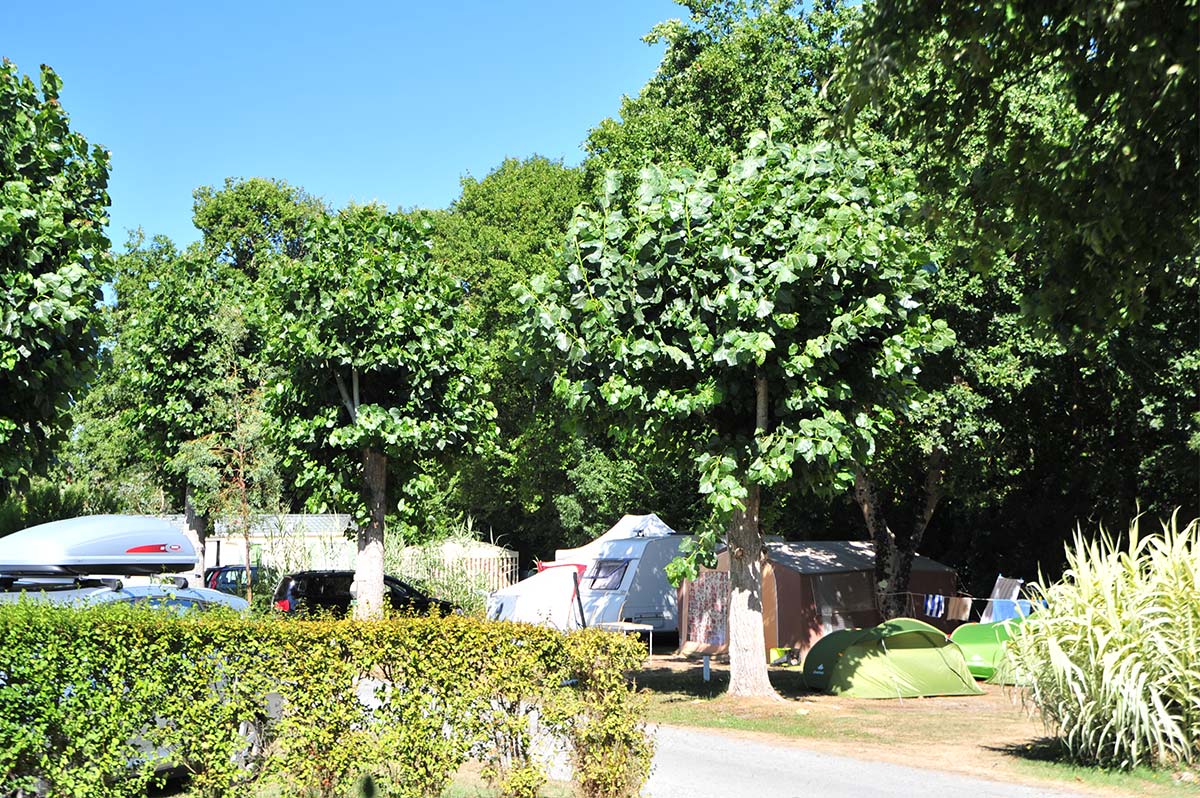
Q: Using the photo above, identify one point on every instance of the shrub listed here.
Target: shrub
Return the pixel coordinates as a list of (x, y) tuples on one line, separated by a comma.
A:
[(1113, 658), (602, 718), (92, 700), (70, 706)]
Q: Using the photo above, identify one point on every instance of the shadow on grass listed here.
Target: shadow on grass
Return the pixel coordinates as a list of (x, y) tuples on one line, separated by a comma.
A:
[(1048, 756), (1043, 749), (687, 681)]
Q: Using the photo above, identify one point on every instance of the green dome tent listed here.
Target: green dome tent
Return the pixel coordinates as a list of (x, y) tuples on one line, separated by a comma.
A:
[(982, 645), (902, 658)]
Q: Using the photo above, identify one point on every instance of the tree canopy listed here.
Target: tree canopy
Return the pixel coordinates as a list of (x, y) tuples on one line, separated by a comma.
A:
[(730, 69), (53, 258), (374, 362), (1068, 131)]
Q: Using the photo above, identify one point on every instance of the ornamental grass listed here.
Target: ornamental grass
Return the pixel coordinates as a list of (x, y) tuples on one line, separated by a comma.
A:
[(1112, 659)]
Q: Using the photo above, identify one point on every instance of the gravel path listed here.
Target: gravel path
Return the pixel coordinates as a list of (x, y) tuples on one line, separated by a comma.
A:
[(703, 764)]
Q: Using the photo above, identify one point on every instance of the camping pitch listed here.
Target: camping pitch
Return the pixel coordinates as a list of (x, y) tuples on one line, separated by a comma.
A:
[(902, 658), (809, 589)]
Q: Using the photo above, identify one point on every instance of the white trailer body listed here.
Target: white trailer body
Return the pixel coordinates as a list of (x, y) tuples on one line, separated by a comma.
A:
[(624, 579)]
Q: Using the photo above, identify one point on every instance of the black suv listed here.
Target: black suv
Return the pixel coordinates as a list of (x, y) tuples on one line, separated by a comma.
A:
[(329, 591)]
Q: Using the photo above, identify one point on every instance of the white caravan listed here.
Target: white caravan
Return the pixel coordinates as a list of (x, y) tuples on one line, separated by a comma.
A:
[(619, 576)]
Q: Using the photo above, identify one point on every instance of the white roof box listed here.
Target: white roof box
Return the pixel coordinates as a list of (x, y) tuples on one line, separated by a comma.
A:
[(120, 545)]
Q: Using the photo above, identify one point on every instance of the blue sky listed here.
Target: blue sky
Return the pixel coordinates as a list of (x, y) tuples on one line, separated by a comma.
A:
[(360, 101)]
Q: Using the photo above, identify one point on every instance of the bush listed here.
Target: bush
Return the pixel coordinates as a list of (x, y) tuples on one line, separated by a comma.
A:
[(1113, 658), (91, 701)]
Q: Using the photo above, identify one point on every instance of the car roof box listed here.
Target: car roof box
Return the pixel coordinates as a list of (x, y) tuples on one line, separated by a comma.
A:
[(125, 545)]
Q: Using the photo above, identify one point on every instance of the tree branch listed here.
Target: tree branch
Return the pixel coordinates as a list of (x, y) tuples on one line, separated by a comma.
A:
[(934, 472), (351, 407)]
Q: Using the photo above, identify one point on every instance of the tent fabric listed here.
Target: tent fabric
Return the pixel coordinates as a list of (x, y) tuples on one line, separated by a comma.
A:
[(547, 598), (983, 646), (629, 526), (809, 589), (902, 658)]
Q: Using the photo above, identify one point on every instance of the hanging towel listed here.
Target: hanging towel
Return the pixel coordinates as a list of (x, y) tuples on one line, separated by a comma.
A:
[(935, 606), (1006, 589), (958, 608), (1004, 610)]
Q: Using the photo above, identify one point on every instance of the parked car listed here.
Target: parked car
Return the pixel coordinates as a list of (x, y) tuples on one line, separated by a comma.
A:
[(84, 561), (333, 592), (232, 578), (175, 595)]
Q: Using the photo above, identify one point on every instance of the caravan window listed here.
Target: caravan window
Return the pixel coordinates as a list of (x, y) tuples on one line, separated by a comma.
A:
[(605, 574)]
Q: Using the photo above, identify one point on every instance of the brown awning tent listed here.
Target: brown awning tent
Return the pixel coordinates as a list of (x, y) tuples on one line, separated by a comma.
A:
[(809, 589)]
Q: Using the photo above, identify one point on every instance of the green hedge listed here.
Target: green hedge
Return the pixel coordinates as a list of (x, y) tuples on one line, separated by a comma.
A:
[(93, 702)]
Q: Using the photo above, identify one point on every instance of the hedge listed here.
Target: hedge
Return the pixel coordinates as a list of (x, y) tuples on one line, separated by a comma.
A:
[(97, 702)]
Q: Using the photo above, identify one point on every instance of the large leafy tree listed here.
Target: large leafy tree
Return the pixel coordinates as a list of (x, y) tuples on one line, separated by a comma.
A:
[(1068, 132), (247, 222), (777, 308), (53, 258), (377, 369), (183, 322), (553, 477), (730, 69)]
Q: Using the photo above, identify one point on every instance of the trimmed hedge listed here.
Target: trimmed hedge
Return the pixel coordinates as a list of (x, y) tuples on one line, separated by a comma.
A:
[(94, 702)]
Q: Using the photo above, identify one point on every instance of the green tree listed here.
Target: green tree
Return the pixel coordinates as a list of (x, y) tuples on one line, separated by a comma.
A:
[(777, 308), (1068, 131), (553, 477), (232, 469), (164, 373), (376, 365), (733, 68), (53, 258), (249, 221)]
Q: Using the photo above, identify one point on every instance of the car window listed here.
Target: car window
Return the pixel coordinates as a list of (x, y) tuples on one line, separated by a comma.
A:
[(338, 585), (230, 579)]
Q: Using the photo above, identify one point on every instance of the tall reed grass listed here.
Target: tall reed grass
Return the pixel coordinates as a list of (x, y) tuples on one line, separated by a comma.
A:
[(1113, 658)]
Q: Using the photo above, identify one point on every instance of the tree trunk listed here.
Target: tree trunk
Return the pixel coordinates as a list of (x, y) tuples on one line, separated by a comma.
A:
[(894, 556), (198, 523), (887, 556), (747, 647), (368, 568)]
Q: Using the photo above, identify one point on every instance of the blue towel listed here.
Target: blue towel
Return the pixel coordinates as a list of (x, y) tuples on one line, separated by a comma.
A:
[(1004, 609), (935, 606)]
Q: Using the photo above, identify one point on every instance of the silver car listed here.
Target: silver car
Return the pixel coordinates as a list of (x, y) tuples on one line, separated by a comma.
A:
[(84, 592)]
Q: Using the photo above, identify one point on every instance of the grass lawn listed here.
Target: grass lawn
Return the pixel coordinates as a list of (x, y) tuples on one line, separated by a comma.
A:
[(988, 736)]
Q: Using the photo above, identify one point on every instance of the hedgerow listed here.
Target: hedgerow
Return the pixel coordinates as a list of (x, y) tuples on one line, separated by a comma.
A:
[(98, 702)]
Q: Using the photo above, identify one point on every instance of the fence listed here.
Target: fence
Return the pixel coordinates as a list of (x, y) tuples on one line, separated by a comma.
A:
[(490, 570)]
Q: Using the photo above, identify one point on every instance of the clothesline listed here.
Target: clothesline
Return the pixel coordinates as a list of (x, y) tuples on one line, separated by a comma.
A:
[(958, 608)]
